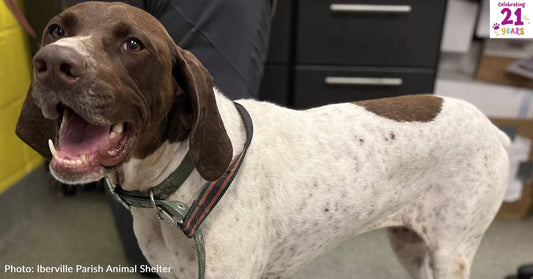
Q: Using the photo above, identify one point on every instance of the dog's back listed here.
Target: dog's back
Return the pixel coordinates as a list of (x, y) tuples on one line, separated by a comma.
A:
[(344, 169)]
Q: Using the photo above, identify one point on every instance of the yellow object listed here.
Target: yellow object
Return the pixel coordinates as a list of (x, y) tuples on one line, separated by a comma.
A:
[(7, 20), (16, 158)]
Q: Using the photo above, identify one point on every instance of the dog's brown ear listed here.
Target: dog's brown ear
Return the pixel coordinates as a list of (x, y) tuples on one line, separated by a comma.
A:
[(196, 113), (34, 129)]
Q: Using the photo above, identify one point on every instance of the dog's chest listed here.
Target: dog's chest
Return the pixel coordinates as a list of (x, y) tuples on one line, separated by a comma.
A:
[(163, 245)]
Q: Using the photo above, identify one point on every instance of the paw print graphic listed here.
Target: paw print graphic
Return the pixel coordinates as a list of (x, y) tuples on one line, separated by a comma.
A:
[(496, 26)]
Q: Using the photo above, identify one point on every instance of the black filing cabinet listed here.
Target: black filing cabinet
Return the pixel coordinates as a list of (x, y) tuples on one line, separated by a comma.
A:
[(349, 50)]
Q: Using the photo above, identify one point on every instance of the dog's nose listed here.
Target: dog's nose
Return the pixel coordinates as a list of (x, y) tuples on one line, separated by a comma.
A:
[(59, 67)]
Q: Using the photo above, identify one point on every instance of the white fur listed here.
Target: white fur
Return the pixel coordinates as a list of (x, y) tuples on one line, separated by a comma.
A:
[(78, 43), (313, 178)]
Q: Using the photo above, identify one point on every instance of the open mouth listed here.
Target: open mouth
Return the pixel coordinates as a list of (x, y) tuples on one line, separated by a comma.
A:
[(82, 148)]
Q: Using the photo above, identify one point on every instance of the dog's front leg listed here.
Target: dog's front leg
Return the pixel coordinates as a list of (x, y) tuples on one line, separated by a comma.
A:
[(229, 255), (178, 259)]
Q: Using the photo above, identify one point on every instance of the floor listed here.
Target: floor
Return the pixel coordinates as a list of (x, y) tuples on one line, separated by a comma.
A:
[(76, 230), (79, 230)]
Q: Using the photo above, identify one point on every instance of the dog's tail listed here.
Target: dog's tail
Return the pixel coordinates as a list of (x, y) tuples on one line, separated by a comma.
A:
[(504, 138)]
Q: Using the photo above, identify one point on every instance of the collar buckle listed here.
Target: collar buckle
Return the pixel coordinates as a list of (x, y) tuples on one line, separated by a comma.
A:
[(164, 215), (167, 218)]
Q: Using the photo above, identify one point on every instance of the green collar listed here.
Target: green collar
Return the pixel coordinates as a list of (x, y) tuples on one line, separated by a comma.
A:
[(160, 192)]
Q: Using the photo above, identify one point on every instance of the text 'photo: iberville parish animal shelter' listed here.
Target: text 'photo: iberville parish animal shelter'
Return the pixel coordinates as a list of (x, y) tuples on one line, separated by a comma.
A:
[(266, 139)]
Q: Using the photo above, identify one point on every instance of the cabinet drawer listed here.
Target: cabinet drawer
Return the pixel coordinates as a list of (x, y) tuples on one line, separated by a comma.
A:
[(319, 85), (370, 33)]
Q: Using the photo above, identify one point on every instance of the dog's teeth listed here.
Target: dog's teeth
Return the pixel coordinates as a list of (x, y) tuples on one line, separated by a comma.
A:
[(118, 128), (66, 115), (85, 158), (52, 148)]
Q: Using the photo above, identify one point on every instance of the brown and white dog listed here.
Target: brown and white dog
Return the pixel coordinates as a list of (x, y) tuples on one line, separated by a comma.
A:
[(118, 98)]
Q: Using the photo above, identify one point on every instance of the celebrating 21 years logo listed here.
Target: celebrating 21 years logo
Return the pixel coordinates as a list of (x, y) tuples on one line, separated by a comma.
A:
[(511, 19)]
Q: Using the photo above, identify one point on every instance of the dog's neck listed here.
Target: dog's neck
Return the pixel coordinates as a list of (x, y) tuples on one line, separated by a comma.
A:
[(143, 174)]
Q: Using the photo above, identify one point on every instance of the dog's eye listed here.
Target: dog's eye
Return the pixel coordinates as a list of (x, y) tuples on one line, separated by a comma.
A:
[(133, 45), (56, 31)]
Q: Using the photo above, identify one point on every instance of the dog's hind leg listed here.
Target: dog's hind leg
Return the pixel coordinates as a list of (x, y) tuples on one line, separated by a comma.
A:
[(452, 263), (457, 228), (411, 251), (453, 242), (433, 260)]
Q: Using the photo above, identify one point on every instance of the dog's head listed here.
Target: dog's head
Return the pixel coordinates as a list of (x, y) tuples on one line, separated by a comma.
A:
[(110, 84)]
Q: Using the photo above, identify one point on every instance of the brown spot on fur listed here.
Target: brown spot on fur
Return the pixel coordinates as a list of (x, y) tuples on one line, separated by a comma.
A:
[(462, 266), (418, 261), (412, 108), (461, 269)]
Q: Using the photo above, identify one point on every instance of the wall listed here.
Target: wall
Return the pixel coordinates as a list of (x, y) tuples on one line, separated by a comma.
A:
[(16, 159)]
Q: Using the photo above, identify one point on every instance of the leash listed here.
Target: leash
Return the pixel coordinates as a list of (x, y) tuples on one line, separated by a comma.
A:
[(176, 213)]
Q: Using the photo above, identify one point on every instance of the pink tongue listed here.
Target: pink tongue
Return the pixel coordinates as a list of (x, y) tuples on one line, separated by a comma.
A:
[(78, 137)]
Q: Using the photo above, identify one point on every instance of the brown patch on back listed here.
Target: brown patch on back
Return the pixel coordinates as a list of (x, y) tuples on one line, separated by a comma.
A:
[(411, 108)]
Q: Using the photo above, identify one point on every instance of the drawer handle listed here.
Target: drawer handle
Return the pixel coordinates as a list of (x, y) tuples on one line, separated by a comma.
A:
[(356, 8), (363, 81)]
